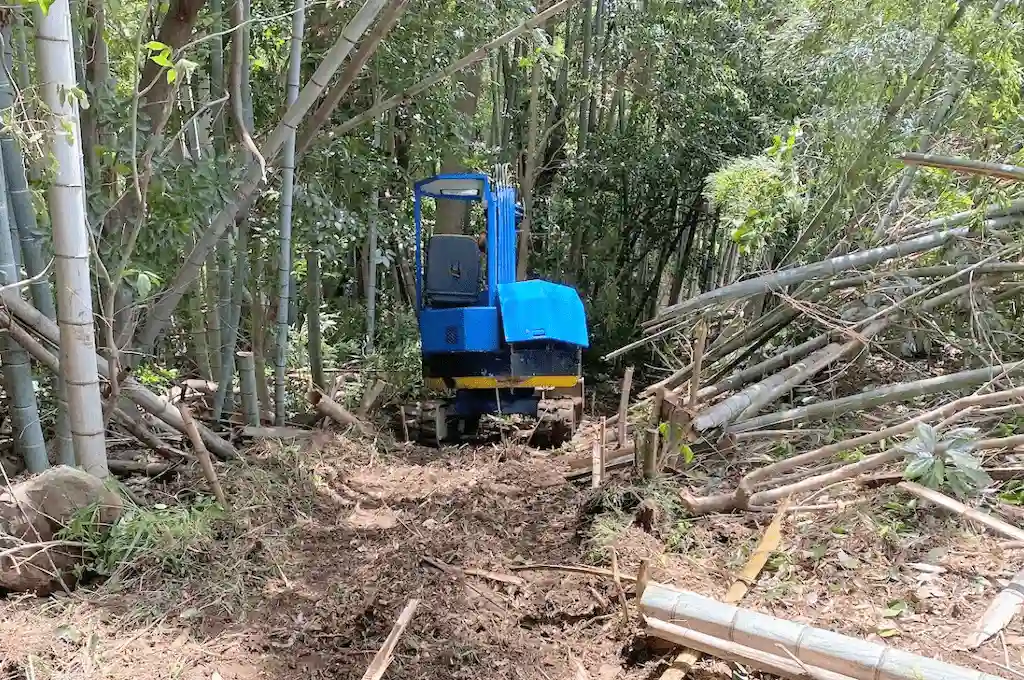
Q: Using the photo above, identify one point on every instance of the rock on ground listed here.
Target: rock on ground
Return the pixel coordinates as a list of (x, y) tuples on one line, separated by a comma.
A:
[(32, 512)]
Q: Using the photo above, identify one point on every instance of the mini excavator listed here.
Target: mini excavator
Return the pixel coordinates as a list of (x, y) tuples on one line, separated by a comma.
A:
[(491, 344)]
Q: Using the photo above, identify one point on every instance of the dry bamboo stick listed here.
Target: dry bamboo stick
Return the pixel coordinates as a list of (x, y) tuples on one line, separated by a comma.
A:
[(596, 467), (203, 455), (627, 385), (698, 359), (815, 647), (943, 501), (816, 270), (385, 654), (731, 651), (769, 543)]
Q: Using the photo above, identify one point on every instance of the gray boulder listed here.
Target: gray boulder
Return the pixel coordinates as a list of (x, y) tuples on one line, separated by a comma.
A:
[(32, 512)]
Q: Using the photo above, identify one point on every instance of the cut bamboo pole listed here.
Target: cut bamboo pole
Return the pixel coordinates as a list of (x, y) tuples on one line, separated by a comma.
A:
[(858, 659), (596, 467), (651, 445), (730, 651), (627, 385), (247, 379), (370, 398), (326, 406), (602, 446), (203, 455), (385, 654), (999, 613), (991, 523)]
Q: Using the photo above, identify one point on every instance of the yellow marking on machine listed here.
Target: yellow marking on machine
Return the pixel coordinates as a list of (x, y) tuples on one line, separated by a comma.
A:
[(480, 382)]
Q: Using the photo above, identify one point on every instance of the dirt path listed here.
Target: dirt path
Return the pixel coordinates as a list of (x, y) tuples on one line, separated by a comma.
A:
[(331, 543)]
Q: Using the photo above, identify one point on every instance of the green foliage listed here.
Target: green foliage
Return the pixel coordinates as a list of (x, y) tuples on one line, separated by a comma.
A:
[(168, 538), (947, 462)]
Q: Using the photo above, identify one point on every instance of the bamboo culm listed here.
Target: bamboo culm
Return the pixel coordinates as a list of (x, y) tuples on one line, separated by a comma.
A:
[(247, 378), (816, 647), (130, 388), (35, 263), (313, 296), (26, 428), (284, 266), (824, 268), (883, 395), (66, 202)]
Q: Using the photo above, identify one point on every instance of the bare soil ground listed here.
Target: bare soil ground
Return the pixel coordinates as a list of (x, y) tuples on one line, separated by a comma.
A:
[(328, 543)]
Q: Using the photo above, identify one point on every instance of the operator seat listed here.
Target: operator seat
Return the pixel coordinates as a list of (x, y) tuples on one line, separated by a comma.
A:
[(452, 276)]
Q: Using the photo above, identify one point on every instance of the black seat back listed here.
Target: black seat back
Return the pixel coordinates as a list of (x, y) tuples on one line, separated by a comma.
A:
[(452, 275)]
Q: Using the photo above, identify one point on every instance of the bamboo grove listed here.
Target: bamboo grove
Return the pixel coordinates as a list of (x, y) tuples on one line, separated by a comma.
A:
[(220, 188)]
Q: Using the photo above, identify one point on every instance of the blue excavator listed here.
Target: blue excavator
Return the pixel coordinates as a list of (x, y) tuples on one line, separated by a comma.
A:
[(491, 344)]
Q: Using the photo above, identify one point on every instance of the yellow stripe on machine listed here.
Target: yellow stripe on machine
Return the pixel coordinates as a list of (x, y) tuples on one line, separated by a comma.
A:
[(480, 382)]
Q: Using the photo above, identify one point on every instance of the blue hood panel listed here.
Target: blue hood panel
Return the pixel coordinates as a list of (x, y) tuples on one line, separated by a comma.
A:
[(540, 310)]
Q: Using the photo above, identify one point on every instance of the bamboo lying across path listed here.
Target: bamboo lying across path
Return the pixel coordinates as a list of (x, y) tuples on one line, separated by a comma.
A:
[(815, 647)]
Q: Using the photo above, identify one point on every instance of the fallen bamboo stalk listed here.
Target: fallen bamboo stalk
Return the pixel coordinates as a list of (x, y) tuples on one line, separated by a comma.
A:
[(821, 453), (730, 408), (815, 647), (276, 432), (326, 406), (764, 368), (945, 502), (964, 165), (731, 651), (904, 391), (130, 388), (1004, 474), (135, 467), (742, 498), (143, 434), (382, 659), (204, 457), (817, 270)]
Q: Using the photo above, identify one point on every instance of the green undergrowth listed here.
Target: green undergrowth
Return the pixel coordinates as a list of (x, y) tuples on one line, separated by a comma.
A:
[(187, 554), (654, 506)]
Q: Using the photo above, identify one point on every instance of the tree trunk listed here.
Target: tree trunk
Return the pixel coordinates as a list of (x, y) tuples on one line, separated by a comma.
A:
[(451, 214), (55, 59), (530, 170)]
